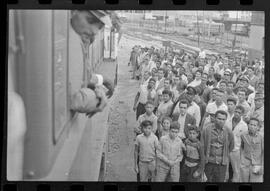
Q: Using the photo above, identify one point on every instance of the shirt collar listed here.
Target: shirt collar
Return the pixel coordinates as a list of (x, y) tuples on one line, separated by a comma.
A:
[(182, 115), (214, 127)]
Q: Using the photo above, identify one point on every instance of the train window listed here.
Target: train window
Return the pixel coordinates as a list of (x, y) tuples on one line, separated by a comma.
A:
[(60, 72)]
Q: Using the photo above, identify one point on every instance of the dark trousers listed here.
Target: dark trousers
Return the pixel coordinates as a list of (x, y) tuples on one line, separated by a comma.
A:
[(215, 172), (187, 174), (230, 172), (140, 110)]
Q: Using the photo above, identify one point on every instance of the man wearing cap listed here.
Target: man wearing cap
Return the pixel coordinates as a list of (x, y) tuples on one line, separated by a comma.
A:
[(87, 24)]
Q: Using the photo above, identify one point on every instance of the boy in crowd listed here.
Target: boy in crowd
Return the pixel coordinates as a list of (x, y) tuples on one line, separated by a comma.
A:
[(223, 86), (165, 106), (146, 93), (148, 115), (192, 169), (252, 153), (169, 155), (146, 145)]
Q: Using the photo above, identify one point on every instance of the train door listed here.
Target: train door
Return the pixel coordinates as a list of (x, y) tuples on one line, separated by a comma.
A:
[(41, 70), (16, 119)]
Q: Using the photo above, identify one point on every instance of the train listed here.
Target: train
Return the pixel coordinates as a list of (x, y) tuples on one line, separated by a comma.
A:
[(45, 68), (240, 29), (207, 28)]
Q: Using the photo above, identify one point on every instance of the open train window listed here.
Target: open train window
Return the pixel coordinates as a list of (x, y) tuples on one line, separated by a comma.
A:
[(60, 37)]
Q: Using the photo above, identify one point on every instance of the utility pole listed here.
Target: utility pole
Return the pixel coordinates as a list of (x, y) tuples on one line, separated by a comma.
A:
[(165, 18), (198, 31), (203, 27), (222, 28), (234, 40)]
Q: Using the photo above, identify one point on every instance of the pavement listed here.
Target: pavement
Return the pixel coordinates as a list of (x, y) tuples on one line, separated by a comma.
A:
[(120, 159)]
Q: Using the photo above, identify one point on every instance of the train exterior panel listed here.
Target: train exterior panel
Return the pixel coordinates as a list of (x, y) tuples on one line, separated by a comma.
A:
[(48, 69)]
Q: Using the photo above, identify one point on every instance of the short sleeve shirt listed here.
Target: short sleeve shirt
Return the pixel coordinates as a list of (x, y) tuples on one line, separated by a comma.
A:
[(147, 147), (253, 148)]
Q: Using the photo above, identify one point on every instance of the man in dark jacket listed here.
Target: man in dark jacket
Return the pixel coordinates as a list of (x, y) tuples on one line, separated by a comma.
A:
[(184, 119), (217, 141)]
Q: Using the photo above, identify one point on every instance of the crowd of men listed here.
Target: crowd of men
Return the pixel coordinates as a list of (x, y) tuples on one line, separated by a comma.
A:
[(200, 117)]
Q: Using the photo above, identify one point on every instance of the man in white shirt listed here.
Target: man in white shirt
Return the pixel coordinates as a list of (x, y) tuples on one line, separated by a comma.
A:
[(197, 81), (241, 94), (211, 63), (212, 107), (238, 127), (231, 104), (145, 93), (184, 119), (193, 109)]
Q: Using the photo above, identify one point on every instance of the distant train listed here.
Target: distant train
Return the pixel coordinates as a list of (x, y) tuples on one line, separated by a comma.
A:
[(240, 29), (45, 69), (207, 28)]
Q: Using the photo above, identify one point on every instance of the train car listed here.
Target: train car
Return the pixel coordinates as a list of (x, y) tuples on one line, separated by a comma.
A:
[(208, 28), (45, 69), (240, 29)]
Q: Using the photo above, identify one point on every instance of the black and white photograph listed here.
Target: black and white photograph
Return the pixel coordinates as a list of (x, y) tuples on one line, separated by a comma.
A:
[(135, 95)]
